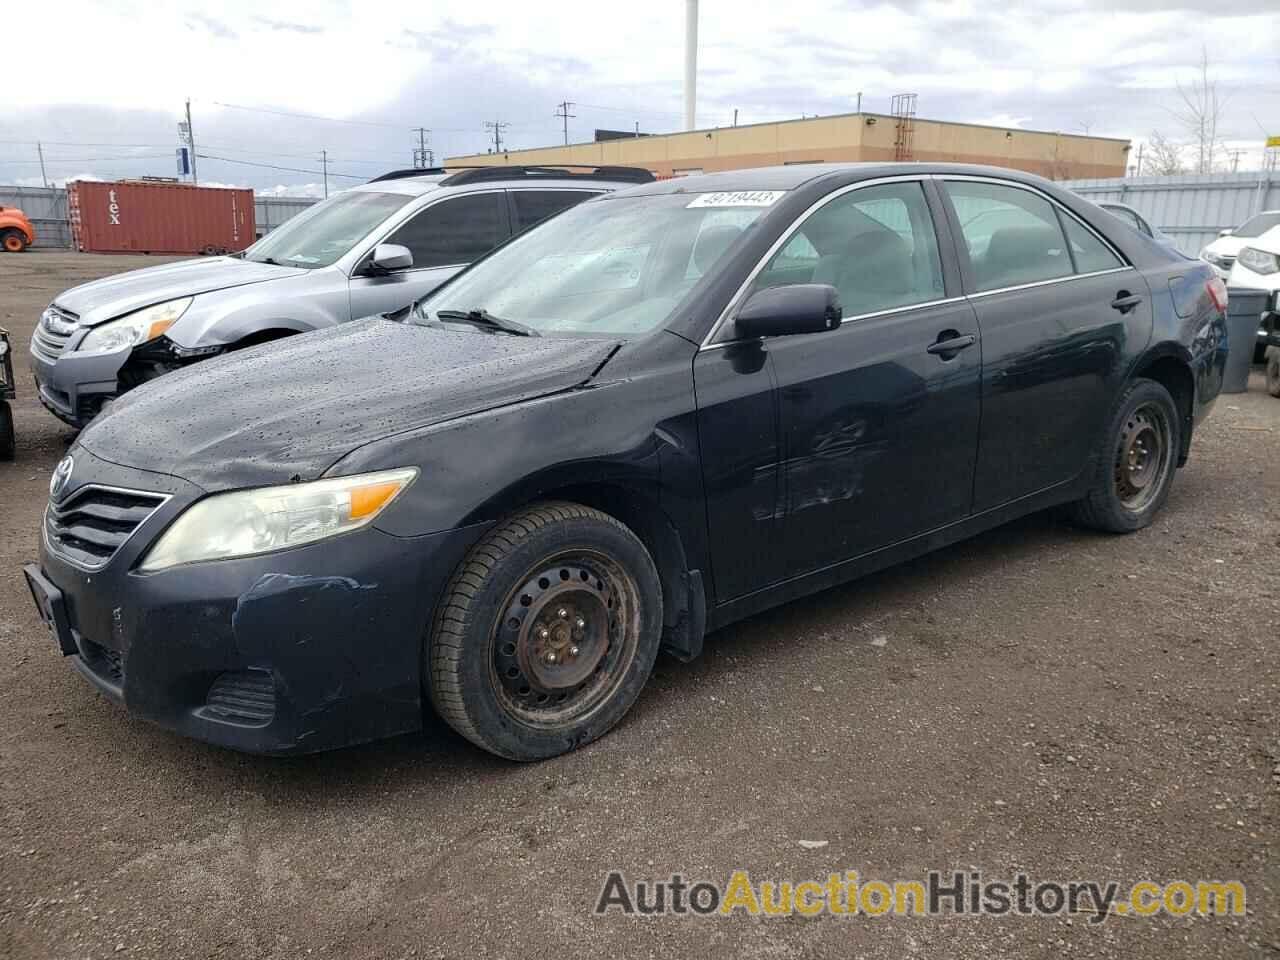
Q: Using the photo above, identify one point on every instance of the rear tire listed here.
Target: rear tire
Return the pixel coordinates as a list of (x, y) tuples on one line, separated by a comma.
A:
[(1135, 463), (13, 241), (1273, 373), (546, 633), (8, 442)]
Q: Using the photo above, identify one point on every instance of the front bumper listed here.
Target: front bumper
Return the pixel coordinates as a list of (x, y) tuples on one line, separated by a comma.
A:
[(74, 386), (294, 652)]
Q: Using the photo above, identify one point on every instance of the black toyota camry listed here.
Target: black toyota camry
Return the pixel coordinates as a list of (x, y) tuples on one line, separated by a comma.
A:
[(655, 414)]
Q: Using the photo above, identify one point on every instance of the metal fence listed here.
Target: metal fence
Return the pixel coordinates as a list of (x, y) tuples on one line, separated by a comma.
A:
[(46, 207), (1190, 208), (270, 212)]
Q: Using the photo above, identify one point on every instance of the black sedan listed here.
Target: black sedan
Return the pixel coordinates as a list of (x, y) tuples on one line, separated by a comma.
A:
[(658, 413)]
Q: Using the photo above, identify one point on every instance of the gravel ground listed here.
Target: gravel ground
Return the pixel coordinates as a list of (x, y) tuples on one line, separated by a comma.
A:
[(1037, 699)]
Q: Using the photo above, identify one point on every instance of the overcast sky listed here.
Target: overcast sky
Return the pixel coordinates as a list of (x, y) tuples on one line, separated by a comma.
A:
[(108, 79)]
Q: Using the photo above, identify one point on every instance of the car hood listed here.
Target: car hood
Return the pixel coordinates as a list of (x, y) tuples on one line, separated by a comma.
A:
[(110, 297), (1227, 246), (289, 410), (1268, 241)]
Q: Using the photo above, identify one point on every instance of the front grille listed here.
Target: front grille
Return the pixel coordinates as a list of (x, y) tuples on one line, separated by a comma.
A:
[(94, 522), (53, 331), (108, 664), (246, 697)]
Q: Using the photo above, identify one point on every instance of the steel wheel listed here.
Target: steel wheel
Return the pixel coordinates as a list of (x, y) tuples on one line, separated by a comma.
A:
[(546, 633), (567, 635), (1144, 456), (14, 242)]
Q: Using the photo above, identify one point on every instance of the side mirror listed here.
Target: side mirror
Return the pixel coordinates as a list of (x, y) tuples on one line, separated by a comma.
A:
[(388, 257), (1226, 233), (796, 308)]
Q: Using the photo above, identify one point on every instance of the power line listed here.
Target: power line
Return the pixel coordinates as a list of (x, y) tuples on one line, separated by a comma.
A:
[(313, 116), (272, 166), (158, 156)]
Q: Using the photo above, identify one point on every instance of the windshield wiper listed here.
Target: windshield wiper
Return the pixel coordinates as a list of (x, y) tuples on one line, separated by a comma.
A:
[(487, 321)]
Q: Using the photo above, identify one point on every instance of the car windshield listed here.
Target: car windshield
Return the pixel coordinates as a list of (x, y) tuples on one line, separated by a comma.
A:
[(320, 235), (613, 267), (1258, 225)]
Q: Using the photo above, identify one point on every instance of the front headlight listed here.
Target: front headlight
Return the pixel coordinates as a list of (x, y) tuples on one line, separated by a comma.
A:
[(249, 522), (134, 328), (1259, 261)]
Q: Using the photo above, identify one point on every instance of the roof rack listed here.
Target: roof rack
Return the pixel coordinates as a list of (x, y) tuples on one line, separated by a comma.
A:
[(576, 171), (409, 172)]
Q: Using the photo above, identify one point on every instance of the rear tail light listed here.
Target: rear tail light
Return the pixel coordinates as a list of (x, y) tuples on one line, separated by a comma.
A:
[(1217, 290)]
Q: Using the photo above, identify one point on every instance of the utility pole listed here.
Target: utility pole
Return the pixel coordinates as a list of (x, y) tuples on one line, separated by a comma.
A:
[(324, 159), (1140, 146), (191, 136), (735, 116), (690, 63), (562, 110), (859, 110), (422, 157), (1235, 160), (40, 150), (497, 126)]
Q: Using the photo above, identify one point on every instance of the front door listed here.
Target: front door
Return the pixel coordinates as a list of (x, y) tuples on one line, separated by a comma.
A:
[(877, 426)]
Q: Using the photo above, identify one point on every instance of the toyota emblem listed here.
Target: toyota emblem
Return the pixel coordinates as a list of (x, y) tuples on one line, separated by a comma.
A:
[(61, 474)]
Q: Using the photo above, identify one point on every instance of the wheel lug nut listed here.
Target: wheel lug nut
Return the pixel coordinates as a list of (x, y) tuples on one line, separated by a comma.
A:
[(543, 633), (562, 613), (573, 651), (551, 658), (579, 623)]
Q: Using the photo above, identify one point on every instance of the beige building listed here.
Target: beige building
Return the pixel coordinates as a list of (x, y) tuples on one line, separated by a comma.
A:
[(844, 137)]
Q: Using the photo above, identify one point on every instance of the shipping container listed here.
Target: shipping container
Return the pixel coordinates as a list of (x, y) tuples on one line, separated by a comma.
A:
[(136, 216)]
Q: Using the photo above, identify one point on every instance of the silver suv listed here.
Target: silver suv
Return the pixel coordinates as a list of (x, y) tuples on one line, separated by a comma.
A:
[(372, 249)]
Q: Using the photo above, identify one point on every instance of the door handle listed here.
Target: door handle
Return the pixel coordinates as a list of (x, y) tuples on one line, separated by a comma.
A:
[(1126, 301), (953, 344)]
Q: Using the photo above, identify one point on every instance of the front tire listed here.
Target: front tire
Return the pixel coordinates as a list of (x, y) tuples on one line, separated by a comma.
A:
[(13, 241), (546, 633), (1134, 466), (1273, 373), (8, 441)]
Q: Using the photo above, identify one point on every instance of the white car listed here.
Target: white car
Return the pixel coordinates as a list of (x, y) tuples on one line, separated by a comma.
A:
[(1221, 253), (1258, 266)]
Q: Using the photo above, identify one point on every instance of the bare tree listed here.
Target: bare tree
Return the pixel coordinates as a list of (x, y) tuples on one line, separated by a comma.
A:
[(1166, 156), (1199, 115)]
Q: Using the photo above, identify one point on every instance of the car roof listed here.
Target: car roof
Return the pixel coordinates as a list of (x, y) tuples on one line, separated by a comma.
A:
[(794, 175)]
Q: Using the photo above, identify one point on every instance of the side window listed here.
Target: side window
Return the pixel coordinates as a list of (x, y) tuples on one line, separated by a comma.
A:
[(1013, 235), (534, 206), (876, 246), (1088, 251), (455, 231)]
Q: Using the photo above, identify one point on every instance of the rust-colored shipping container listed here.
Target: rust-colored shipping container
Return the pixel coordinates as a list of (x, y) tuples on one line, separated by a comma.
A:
[(136, 216)]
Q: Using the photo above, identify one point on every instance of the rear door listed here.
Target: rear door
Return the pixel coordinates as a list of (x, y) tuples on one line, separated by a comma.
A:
[(443, 237), (1059, 310)]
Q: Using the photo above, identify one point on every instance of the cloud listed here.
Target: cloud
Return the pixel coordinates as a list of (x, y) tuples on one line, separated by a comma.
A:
[(1106, 65), (284, 26), (199, 23)]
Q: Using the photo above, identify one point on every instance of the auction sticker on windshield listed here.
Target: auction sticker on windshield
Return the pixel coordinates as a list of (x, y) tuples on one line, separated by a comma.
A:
[(737, 198)]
